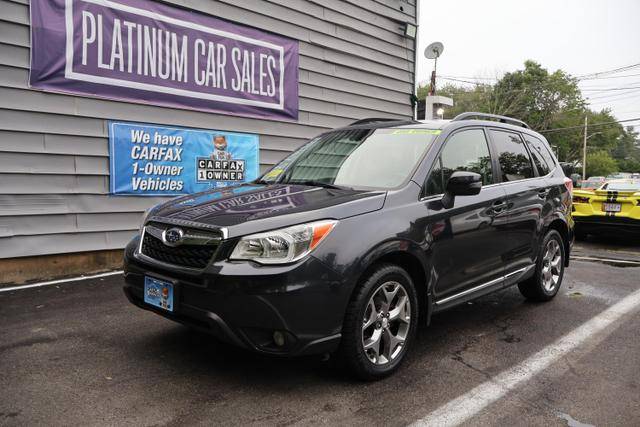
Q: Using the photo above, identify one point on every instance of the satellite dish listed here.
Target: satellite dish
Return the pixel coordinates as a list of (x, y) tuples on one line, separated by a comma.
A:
[(434, 50)]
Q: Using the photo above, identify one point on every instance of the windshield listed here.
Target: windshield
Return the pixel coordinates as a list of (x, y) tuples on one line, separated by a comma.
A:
[(370, 158)]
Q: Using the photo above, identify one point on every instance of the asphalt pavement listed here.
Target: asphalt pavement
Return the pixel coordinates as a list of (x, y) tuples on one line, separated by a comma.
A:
[(78, 353)]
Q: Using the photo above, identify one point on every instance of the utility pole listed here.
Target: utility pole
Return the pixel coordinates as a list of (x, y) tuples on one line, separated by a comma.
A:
[(584, 151), (432, 86)]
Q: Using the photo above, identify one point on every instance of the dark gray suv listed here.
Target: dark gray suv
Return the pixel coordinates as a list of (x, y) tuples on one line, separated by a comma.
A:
[(352, 240)]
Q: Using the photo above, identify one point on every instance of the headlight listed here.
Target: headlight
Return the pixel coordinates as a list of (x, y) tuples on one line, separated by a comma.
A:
[(284, 245)]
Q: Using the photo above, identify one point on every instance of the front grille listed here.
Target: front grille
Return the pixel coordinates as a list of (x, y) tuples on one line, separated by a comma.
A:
[(186, 255)]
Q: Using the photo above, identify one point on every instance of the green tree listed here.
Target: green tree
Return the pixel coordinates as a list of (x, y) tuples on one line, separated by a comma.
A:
[(536, 96), (627, 151), (600, 163), (601, 137), (546, 101), (629, 165)]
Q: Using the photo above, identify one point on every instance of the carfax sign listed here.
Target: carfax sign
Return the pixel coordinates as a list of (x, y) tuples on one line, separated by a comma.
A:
[(149, 52), (149, 160)]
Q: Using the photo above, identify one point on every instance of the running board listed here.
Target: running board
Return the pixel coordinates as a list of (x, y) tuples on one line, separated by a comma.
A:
[(520, 271)]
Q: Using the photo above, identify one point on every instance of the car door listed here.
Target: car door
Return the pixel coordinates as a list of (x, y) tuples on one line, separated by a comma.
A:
[(526, 195), (466, 240)]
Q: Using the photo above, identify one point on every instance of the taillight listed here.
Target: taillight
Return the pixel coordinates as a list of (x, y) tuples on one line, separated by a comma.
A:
[(578, 199), (569, 184)]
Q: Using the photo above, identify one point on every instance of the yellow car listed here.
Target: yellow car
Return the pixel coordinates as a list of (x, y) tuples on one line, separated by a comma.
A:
[(614, 206)]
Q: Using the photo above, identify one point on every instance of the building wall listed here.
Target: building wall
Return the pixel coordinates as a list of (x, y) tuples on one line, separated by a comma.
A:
[(54, 177)]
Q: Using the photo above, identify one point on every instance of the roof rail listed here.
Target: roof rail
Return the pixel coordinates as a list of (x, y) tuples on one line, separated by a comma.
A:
[(376, 119), (480, 116)]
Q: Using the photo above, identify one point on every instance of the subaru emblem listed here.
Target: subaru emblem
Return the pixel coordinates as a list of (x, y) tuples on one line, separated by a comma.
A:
[(172, 236)]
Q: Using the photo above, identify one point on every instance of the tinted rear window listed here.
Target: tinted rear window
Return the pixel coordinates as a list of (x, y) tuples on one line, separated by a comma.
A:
[(541, 155), (515, 163)]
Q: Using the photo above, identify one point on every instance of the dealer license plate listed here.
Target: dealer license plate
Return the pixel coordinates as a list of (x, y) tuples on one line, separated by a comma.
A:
[(612, 207), (158, 293)]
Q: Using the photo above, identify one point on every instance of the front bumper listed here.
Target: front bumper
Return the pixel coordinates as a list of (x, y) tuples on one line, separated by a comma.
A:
[(244, 303)]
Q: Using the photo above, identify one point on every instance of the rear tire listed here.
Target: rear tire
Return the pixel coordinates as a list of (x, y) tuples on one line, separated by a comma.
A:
[(380, 323), (547, 279)]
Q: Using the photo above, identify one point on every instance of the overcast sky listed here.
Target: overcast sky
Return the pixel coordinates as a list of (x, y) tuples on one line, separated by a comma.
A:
[(483, 39)]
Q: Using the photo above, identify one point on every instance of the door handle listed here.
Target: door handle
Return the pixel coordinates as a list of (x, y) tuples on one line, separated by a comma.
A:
[(498, 206)]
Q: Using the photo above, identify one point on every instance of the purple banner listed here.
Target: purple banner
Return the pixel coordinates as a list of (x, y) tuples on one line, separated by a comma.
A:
[(147, 52)]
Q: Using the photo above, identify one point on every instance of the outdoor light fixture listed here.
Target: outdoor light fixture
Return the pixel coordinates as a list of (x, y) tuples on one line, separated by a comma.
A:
[(410, 30)]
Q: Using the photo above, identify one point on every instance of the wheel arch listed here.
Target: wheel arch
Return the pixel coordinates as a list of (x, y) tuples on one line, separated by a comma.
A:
[(561, 226), (410, 259)]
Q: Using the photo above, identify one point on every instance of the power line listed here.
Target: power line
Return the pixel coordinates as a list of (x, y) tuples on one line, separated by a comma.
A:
[(475, 80), (610, 77), (607, 72), (589, 76), (587, 89), (628, 112), (468, 78), (461, 80), (613, 92), (591, 126), (614, 96), (608, 103), (608, 89), (599, 95), (611, 95)]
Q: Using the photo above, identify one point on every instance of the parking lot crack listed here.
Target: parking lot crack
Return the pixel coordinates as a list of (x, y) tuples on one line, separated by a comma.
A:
[(459, 357), (28, 342), (503, 326)]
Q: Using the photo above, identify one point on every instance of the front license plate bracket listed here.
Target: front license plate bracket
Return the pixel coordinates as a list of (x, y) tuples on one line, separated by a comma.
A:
[(159, 293)]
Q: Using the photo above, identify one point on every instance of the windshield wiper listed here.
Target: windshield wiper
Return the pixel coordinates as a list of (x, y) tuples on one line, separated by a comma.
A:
[(313, 183)]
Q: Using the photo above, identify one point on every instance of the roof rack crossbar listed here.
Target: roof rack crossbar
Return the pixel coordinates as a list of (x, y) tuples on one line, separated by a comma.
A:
[(375, 119), (501, 119)]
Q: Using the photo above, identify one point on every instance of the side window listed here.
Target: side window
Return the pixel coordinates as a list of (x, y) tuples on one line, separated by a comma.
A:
[(541, 156), (514, 159), (466, 150)]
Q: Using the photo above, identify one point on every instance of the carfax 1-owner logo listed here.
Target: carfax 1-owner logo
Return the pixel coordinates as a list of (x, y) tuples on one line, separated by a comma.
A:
[(163, 161), (220, 165)]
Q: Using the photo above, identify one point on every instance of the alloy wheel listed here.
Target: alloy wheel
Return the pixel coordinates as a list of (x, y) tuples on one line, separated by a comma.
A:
[(551, 265), (386, 323)]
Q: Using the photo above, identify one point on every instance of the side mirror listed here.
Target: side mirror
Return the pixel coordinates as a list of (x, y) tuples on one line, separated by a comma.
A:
[(461, 184)]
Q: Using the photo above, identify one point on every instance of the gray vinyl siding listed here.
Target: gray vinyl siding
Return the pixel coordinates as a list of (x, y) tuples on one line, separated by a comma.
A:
[(54, 165)]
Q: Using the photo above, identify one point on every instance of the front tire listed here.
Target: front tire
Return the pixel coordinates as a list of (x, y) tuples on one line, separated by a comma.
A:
[(380, 323), (546, 281)]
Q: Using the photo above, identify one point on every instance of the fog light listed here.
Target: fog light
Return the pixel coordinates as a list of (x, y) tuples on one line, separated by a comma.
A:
[(278, 338)]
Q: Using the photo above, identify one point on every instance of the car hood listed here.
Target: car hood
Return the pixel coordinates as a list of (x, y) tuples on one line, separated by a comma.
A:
[(251, 208)]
